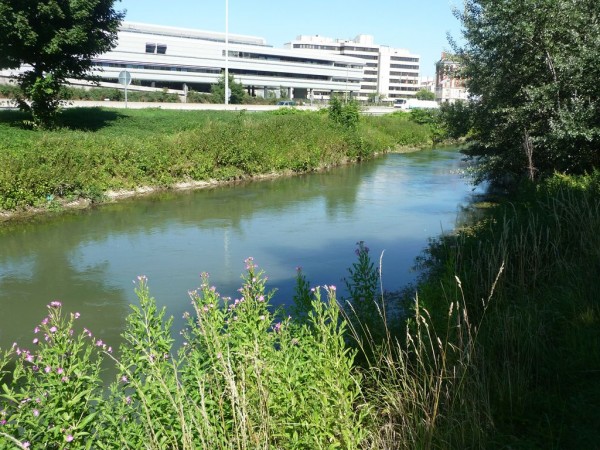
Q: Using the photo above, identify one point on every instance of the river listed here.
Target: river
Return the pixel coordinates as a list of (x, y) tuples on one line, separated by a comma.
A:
[(89, 259)]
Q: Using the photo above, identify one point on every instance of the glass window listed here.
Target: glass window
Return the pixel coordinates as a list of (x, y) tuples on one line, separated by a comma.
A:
[(150, 48), (161, 49)]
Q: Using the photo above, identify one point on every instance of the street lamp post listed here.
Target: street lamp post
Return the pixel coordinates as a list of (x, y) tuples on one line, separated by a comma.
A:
[(226, 52)]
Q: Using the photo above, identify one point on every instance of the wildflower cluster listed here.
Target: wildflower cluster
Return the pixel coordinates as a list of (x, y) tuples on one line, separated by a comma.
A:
[(246, 377), (55, 386)]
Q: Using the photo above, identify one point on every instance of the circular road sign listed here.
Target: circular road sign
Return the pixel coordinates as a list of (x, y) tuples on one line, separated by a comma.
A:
[(124, 78)]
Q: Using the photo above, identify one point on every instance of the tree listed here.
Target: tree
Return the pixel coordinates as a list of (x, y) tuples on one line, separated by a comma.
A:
[(424, 94), (532, 70), (345, 113), (57, 39), (237, 90), (375, 98)]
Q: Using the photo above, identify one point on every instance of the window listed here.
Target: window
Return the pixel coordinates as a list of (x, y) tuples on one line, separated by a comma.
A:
[(403, 66), (151, 47), (404, 59)]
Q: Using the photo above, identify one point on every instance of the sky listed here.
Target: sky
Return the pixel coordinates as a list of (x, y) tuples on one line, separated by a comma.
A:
[(420, 26)]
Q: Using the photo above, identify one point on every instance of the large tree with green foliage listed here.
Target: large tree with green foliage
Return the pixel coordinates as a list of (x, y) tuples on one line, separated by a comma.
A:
[(533, 74), (53, 40)]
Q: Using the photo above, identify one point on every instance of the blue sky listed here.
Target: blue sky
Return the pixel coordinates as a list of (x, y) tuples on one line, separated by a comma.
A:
[(417, 25)]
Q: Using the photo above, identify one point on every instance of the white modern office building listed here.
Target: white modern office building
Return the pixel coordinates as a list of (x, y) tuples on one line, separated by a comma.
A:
[(391, 73), (181, 59)]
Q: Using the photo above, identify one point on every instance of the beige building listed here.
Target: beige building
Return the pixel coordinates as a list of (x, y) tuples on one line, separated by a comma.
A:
[(449, 86)]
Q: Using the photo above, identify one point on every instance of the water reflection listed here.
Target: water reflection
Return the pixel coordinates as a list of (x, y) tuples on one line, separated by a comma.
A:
[(89, 259)]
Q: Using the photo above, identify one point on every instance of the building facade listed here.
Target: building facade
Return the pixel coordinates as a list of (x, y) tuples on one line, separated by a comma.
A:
[(182, 59), (389, 73), (449, 85)]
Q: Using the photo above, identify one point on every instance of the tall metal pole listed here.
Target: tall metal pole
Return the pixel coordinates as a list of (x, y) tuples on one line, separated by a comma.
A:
[(226, 52)]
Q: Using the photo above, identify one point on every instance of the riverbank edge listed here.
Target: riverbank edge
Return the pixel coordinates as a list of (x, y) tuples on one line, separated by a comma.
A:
[(62, 205)]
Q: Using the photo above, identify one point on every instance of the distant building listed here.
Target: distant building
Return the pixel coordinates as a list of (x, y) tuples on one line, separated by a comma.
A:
[(449, 85), (427, 84), (181, 59), (391, 73)]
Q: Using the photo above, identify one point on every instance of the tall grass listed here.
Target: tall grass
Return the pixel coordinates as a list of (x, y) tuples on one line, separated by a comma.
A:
[(98, 150), (539, 339)]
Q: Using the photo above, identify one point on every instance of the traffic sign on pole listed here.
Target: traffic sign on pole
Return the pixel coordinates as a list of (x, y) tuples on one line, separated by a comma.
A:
[(125, 79)]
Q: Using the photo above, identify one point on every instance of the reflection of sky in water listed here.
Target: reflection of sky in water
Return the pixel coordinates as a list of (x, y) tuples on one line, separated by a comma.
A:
[(394, 204), (19, 267)]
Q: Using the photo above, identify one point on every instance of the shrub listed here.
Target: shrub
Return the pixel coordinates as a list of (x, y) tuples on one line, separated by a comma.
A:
[(246, 377)]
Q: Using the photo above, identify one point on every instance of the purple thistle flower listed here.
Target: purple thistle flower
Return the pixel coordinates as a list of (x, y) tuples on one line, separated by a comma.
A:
[(53, 330), (36, 413), (48, 369), (69, 438), (55, 304)]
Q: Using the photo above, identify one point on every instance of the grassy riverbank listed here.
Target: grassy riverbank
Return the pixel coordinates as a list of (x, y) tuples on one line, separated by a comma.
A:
[(518, 364), (100, 150)]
